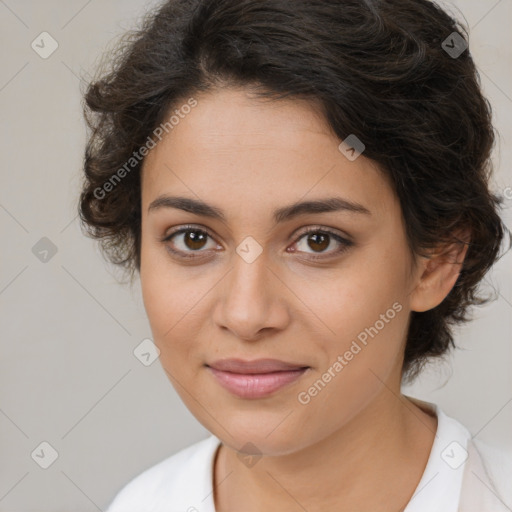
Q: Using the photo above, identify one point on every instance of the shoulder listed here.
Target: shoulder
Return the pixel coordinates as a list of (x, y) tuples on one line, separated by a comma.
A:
[(486, 469), (497, 460), (177, 481), (487, 478), (462, 474)]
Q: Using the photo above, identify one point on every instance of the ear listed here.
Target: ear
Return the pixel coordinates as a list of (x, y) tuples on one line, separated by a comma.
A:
[(436, 274)]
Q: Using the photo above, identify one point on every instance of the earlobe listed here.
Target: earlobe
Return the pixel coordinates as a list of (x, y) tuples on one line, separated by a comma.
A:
[(437, 275)]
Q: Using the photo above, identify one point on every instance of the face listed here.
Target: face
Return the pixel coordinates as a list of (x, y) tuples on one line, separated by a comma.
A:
[(322, 290)]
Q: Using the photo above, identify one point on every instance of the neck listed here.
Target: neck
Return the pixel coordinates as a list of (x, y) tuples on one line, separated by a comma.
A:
[(384, 448)]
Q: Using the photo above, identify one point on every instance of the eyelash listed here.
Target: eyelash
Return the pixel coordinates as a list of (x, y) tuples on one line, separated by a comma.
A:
[(345, 244)]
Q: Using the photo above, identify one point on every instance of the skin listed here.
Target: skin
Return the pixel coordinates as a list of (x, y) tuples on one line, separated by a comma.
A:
[(248, 158)]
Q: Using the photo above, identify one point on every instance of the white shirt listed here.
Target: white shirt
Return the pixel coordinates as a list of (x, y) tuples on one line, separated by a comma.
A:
[(462, 475)]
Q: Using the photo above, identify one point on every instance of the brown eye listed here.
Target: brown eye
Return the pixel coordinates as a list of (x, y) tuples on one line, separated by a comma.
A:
[(318, 241), (187, 240), (315, 242), (195, 240)]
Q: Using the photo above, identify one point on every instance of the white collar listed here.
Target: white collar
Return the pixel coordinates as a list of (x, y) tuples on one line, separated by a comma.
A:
[(440, 486)]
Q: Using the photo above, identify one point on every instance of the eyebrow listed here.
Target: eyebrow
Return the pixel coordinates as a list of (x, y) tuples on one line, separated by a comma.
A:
[(197, 207)]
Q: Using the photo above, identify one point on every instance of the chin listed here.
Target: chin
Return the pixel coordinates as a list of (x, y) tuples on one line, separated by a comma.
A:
[(260, 433)]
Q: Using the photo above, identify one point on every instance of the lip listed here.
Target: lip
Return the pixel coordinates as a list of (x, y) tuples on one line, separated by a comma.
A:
[(255, 379)]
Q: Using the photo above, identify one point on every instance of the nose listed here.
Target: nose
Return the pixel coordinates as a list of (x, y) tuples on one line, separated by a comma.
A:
[(252, 300)]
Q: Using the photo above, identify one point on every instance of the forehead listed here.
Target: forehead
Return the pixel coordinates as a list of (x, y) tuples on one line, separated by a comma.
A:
[(245, 151)]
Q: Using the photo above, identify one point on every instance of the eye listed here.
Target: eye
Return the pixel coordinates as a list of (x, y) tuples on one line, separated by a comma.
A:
[(190, 241), (187, 240), (319, 240)]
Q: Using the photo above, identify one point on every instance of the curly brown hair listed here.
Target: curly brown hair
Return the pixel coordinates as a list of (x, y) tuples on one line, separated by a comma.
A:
[(379, 69)]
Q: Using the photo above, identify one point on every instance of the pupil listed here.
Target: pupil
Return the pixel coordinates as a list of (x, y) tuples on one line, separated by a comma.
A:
[(324, 243), (195, 239)]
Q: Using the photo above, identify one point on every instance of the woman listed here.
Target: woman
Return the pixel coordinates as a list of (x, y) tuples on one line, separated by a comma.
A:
[(303, 188)]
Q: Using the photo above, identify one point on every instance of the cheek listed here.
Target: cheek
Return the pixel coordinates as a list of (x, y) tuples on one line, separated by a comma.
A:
[(165, 294), (364, 307), (369, 323), (357, 294), (176, 307), (163, 288), (155, 289), (169, 304)]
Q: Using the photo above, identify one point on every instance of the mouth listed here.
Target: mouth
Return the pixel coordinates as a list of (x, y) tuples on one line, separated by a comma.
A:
[(255, 379)]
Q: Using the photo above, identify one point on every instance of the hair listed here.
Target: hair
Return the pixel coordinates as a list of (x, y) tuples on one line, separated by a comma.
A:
[(377, 69)]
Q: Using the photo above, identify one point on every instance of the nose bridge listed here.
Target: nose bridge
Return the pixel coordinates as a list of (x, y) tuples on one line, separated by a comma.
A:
[(250, 301), (247, 276)]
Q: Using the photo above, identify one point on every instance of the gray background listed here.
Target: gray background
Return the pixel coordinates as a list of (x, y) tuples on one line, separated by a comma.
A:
[(68, 329)]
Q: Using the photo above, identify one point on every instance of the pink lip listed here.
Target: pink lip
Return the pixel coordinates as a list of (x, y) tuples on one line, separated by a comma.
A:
[(255, 379)]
